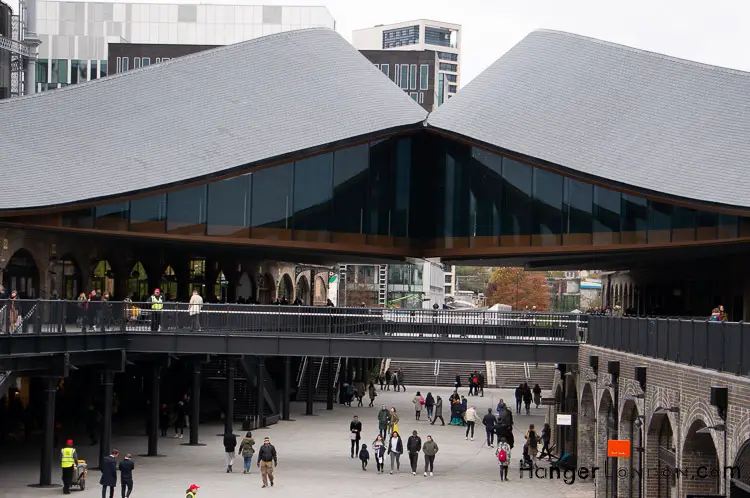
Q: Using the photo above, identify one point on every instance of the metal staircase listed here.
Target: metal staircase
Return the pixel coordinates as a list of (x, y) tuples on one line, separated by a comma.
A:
[(382, 285), (320, 373), (214, 376)]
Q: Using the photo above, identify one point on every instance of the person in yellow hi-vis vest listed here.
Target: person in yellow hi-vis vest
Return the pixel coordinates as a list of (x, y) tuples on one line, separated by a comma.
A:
[(157, 303), (69, 463)]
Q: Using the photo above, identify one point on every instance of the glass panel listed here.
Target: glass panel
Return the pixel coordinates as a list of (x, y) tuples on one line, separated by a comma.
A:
[(378, 219), (93, 70), (41, 70), (486, 189), (113, 216), (548, 200), (424, 76), (350, 192), (312, 198), (683, 224), (607, 206), (186, 211), (441, 88), (102, 69), (80, 218), (148, 214), (517, 203), (385, 69), (413, 77), (728, 226), (706, 225), (229, 207), (272, 202), (78, 70), (402, 178), (660, 223), (579, 204), (404, 76), (634, 220)]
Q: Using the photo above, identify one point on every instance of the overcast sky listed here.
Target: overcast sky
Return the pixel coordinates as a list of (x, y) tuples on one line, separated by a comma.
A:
[(711, 31)]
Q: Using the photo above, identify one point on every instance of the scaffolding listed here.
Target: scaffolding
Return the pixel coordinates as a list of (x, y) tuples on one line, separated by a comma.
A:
[(22, 48)]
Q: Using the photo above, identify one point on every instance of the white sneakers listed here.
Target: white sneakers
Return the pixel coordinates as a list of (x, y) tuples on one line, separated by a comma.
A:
[(413, 473), (472, 439), (466, 438), (431, 474), (425, 474)]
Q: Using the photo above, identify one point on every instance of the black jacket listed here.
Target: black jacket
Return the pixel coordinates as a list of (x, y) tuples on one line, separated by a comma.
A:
[(267, 454), (414, 444), (230, 443), (126, 470), (399, 446), (355, 427), (364, 455), (108, 467), (489, 421), (429, 401)]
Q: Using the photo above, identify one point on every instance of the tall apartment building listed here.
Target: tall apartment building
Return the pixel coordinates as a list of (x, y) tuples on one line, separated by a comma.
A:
[(420, 35), (75, 35)]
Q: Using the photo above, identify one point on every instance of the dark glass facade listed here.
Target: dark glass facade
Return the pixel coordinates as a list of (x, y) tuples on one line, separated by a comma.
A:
[(420, 191)]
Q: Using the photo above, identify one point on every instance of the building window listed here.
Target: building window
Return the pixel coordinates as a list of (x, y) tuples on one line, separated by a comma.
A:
[(102, 69), (413, 77), (164, 59), (437, 36), (424, 76), (404, 76), (446, 56), (401, 37), (93, 73), (137, 63), (452, 78), (398, 73), (414, 96), (146, 61), (421, 98), (452, 88), (158, 60), (78, 71), (385, 69), (42, 66), (125, 65), (441, 89), (377, 66), (448, 67), (118, 64)]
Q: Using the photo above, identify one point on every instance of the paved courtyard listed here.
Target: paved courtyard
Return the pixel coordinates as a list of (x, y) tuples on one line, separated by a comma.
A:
[(314, 460)]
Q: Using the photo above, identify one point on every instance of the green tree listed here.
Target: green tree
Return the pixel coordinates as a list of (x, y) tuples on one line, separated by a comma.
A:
[(518, 288)]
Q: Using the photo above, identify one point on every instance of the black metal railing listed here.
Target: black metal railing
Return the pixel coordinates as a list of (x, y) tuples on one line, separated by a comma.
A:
[(66, 317), (722, 346)]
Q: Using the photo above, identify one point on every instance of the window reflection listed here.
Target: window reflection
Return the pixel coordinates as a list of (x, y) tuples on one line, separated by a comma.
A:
[(487, 189), (229, 207), (379, 195), (579, 202), (271, 214), (517, 203), (548, 200), (312, 198), (706, 225), (634, 219), (606, 216), (148, 214), (659, 223), (683, 224), (186, 211), (350, 168), (113, 216)]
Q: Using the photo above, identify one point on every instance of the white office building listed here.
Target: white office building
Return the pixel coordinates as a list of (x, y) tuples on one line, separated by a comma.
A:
[(444, 38), (75, 35)]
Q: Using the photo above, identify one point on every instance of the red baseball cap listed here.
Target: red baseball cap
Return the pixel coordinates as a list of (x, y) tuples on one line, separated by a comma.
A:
[(69, 442), (194, 486)]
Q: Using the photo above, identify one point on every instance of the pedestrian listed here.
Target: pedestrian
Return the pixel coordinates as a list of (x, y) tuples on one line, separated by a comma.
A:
[(381, 380), (157, 304), (395, 383), (371, 393), (384, 419), (69, 464), (527, 398), (438, 411), (388, 376), (126, 475), (230, 444), (179, 421), (247, 450), (537, 395), (532, 441), (401, 380), (470, 417), (267, 461), (489, 427), (519, 397), (164, 419), (378, 446), (108, 480), (503, 458), (413, 446), (192, 491), (360, 393), (546, 436), (480, 384), (349, 394), (393, 427), (457, 384), (395, 449), (355, 431), (429, 404), (196, 303), (364, 456), (418, 404), (430, 449)]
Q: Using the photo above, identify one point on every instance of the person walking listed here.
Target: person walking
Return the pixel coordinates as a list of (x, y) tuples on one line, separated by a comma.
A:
[(126, 475), (527, 398), (192, 491), (393, 427), (418, 404), (470, 417), (489, 427), (364, 456), (69, 463), (230, 444), (247, 450), (196, 303), (395, 449), (413, 446), (108, 480), (438, 411), (519, 397), (503, 458), (157, 304), (355, 431), (371, 393), (430, 449), (163, 419), (480, 384), (179, 421), (384, 419), (532, 440), (388, 376), (537, 395), (378, 446), (381, 380), (546, 436), (395, 382), (429, 404), (457, 384), (267, 461), (401, 380)]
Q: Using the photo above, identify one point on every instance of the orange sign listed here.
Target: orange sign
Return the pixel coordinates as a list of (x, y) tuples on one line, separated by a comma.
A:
[(618, 448)]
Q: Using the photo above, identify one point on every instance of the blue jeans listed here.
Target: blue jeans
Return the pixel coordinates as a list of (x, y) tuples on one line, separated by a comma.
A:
[(429, 412), (247, 463)]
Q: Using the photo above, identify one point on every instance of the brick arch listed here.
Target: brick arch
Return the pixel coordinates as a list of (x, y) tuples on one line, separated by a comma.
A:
[(631, 428), (700, 450), (742, 461), (660, 433), (740, 435), (586, 427), (605, 428), (283, 275), (701, 411)]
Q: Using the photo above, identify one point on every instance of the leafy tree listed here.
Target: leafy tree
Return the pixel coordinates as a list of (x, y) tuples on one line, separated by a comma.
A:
[(518, 288)]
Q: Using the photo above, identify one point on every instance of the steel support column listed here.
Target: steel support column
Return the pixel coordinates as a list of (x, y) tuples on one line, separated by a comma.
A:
[(229, 414), (48, 441), (285, 415), (261, 389), (153, 422), (105, 440), (195, 406), (310, 386), (330, 386)]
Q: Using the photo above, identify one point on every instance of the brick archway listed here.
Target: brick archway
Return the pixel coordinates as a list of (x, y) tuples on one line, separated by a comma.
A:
[(740, 484), (660, 438), (631, 428), (606, 428), (587, 427), (699, 453)]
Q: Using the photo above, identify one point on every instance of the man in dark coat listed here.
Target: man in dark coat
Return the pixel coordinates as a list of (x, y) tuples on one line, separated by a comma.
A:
[(438, 411), (126, 476), (108, 466)]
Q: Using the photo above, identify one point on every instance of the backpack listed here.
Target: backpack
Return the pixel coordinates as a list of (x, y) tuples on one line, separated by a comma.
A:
[(532, 439), (421, 400), (502, 456)]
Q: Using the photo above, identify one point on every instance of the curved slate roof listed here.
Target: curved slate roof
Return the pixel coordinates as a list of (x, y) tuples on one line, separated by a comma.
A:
[(193, 117), (624, 115)]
